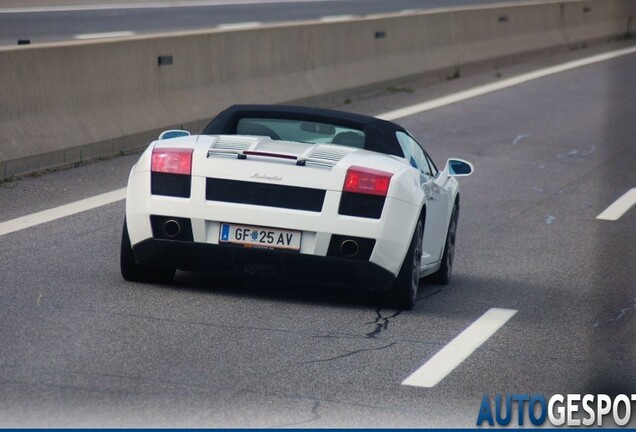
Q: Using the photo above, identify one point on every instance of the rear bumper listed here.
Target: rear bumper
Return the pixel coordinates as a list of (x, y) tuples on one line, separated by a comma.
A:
[(237, 260), (391, 233)]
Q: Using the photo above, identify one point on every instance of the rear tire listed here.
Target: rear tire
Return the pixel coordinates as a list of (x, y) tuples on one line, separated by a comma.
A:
[(133, 272), (404, 290), (443, 275)]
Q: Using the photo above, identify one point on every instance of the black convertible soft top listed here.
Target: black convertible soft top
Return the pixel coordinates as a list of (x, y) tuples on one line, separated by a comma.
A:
[(379, 134)]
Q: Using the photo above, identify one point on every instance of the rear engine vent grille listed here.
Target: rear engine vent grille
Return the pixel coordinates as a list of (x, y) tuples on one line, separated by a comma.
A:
[(330, 153), (268, 195), (234, 143), (361, 205), (174, 185)]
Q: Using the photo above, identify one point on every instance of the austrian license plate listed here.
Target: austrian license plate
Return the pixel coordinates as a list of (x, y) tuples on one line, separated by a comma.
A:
[(251, 236)]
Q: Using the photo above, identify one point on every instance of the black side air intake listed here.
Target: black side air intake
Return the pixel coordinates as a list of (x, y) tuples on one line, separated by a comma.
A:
[(361, 205), (174, 185)]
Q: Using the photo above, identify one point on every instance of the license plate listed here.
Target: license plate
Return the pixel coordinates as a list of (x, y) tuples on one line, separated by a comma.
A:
[(260, 237)]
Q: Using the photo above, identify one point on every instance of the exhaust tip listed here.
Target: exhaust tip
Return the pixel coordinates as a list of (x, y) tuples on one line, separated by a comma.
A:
[(172, 228), (349, 248)]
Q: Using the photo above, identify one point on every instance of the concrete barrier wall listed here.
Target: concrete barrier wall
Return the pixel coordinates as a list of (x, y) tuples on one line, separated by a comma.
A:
[(66, 103)]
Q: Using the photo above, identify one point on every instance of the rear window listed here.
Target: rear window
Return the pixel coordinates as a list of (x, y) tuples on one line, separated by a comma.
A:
[(301, 131)]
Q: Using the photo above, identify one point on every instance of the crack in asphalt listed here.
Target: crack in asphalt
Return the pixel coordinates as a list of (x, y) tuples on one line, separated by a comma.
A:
[(314, 413), (309, 333), (620, 315), (437, 291), (381, 322), (385, 406), (349, 354)]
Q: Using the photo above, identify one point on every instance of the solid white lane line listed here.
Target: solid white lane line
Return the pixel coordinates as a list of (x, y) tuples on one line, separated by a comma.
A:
[(61, 211), (505, 83), (619, 207), (459, 349), (104, 35), (239, 25)]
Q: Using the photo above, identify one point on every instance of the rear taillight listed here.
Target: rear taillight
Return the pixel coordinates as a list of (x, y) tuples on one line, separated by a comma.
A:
[(367, 181), (172, 160)]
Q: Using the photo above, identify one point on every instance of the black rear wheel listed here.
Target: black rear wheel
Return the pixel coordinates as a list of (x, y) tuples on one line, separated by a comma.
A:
[(404, 290), (133, 272)]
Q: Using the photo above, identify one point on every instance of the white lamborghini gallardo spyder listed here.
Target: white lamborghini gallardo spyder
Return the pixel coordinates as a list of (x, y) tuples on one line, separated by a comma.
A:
[(304, 194)]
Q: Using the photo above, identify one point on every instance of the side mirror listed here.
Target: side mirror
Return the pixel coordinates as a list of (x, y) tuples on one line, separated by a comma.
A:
[(173, 133), (458, 168)]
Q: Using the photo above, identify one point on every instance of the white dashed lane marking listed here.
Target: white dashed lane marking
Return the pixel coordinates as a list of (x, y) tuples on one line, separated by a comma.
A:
[(619, 207), (459, 349)]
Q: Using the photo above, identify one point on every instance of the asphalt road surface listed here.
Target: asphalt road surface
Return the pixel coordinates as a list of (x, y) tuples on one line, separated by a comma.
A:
[(81, 347), (49, 24)]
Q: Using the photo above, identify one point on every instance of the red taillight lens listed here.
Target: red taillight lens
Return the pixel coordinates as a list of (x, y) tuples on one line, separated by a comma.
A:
[(367, 181), (172, 160)]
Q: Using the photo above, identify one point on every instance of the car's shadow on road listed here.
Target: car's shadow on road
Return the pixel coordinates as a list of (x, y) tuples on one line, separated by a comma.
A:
[(287, 292), (274, 289)]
